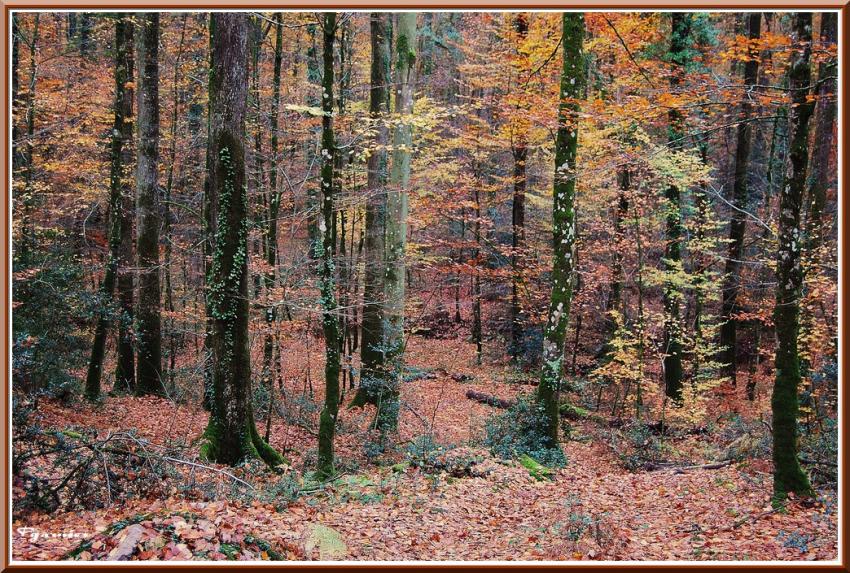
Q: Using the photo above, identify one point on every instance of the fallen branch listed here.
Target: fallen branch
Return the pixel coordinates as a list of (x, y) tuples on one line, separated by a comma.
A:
[(655, 466), (489, 400)]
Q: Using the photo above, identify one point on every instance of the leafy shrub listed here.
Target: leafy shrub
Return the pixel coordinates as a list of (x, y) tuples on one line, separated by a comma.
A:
[(522, 430), (50, 306)]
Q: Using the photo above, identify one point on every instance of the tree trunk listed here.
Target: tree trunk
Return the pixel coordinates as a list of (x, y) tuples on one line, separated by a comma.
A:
[(737, 226), (125, 370), (563, 221), (330, 317), (273, 208), (372, 325), (149, 376), (396, 219), (674, 231), (231, 435), (121, 134), (520, 156), (787, 474)]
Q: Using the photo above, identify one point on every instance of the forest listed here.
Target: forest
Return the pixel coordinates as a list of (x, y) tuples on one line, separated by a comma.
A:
[(437, 285)]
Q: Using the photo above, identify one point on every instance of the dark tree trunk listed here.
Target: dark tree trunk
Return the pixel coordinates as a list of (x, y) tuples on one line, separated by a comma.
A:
[(520, 155), (788, 476), (125, 370), (231, 435), (149, 375), (674, 230), (372, 327), (330, 317), (121, 134), (563, 221), (737, 227)]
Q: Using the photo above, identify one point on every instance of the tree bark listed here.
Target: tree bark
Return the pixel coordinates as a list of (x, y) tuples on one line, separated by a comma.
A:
[(520, 155), (737, 226), (149, 376), (674, 229), (330, 316), (563, 221), (231, 435), (787, 474), (121, 133), (372, 346)]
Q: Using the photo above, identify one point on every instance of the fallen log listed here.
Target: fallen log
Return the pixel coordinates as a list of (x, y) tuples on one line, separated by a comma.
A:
[(489, 400), (653, 466)]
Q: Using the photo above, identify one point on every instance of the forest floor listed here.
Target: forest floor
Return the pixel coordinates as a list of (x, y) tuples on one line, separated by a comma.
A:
[(471, 507)]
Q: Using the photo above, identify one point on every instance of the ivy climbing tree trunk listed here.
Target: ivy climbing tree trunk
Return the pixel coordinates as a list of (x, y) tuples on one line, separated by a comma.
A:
[(121, 133), (396, 221), (372, 325), (231, 435), (788, 476), (737, 226), (563, 221), (149, 375), (681, 22), (330, 312)]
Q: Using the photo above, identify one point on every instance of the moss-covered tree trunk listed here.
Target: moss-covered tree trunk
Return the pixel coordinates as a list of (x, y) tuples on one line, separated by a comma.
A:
[(396, 221), (788, 476), (563, 221), (330, 317), (231, 435), (679, 56), (737, 226), (372, 340), (121, 133), (519, 150), (149, 375)]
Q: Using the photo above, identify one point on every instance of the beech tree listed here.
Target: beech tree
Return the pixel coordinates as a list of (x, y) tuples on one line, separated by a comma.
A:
[(788, 476), (149, 376), (563, 221), (326, 250), (231, 435), (122, 128)]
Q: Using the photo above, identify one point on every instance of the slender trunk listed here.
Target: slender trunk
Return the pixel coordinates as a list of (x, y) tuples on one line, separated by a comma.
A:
[(273, 210), (122, 110), (231, 435), (330, 318), (615, 292), (563, 221), (788, 476), (520, 156), (372, 325), (149, 375), (166, 224), (737, 226), (28, 195), (674, 230)]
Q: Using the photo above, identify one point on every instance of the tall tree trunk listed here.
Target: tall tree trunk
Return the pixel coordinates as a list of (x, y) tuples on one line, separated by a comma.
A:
[(674, 231), (149, 376), (788, 476), (372, 346), (169, 185), (519, 150), (563, 221), (121, 134), (125, 370), (396, 219), (231, 435), (28, 194), (737, 226), (615, 292), (330, 316), (273, 207)]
